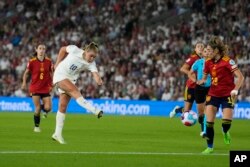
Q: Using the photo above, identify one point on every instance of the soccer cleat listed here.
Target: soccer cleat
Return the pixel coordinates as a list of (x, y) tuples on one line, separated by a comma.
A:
[(100, 114), (45, 115), (173, 112), (208, 151), (37, 129), (58, 139), (227, 138), (204, 135)]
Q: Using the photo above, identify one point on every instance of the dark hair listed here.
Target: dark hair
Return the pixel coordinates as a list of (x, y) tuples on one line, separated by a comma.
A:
[(216, 43), (35, 44), (199, 42)]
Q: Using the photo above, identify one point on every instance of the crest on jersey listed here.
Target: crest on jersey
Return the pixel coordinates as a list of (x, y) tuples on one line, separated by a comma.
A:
[(232, 62), (188, 60)]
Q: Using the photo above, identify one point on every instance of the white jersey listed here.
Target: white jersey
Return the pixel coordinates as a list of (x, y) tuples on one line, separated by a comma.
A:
[(71, 67)]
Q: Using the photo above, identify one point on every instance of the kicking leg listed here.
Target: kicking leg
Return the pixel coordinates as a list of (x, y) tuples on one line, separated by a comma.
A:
[(72, 90)]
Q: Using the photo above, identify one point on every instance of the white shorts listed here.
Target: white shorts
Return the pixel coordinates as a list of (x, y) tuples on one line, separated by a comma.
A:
[(59, 77)]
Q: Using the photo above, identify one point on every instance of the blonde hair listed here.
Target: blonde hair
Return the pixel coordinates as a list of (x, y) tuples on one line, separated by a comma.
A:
[(91, 47), (216, 42)]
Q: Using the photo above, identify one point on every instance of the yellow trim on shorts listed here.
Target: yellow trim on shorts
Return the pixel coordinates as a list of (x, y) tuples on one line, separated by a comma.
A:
[(186, 93)]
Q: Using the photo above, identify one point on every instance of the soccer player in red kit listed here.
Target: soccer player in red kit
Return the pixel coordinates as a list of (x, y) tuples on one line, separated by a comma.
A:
[(41, 68), (223, 90), (189, 96)]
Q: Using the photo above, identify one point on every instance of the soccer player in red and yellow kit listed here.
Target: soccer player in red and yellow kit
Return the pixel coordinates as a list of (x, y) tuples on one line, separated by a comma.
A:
[(189, 96), (223, 90), (41, 68)]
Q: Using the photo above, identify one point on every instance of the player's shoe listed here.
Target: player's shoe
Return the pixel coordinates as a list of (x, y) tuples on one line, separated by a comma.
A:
[(227, 138), (208, 151), (100, 114), (37, 129), (173, 112), (58, 139), (204, 135), (45, 115)]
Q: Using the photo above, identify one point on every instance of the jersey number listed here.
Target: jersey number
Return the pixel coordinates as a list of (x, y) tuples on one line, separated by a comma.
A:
[(41, 76), (215, 81), (73, 67)]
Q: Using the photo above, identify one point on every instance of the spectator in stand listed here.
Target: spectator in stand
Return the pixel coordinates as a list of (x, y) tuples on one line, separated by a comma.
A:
[(132, 53)]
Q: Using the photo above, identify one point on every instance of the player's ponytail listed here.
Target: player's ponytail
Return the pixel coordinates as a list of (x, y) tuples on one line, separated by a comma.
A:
[(91, 47), (217, 43)]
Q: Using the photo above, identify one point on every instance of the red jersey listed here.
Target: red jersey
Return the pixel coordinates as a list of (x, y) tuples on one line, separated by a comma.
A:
[(222, 76), (41, 78), (190, 61)]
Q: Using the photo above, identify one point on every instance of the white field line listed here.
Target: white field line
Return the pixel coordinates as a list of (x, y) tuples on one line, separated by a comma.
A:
[(109, 153)]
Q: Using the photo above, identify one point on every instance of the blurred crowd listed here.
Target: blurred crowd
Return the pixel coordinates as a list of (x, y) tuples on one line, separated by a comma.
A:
[(135, 61)]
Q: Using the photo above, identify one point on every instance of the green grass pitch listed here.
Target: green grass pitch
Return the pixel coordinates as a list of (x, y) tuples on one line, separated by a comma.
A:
[(113, 141)]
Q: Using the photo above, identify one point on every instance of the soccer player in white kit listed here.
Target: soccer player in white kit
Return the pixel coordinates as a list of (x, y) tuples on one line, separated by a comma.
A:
[(71, 61)]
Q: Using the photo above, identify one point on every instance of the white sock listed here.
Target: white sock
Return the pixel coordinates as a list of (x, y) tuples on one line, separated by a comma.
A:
[(60, 117), (85, 104)]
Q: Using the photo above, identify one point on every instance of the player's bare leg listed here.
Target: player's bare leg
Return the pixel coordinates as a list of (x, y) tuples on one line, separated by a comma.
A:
[(226, 124), (60, 117), (36, 101), (73, 91), (46, 105)]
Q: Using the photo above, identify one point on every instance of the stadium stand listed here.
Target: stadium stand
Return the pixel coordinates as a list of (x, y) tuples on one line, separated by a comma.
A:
[(142, 43)]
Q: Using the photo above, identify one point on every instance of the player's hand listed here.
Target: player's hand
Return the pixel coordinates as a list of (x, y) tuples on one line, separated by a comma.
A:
[(100, 82), (200, 82), (234, 94), (24, 86), (193, 79)]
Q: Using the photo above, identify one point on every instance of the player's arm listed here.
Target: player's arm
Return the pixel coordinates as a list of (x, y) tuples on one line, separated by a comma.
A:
[(203, 80), (191, 75), (240, 79), (25, 77), (97, 78), (61, 55), (206, 71), (185, 68)]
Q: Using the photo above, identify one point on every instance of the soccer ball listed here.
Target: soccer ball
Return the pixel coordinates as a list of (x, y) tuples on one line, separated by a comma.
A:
[(189, 118)]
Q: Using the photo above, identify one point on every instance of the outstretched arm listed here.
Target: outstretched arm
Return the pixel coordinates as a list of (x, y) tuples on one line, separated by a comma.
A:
[(97, 78), (61, 55)]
